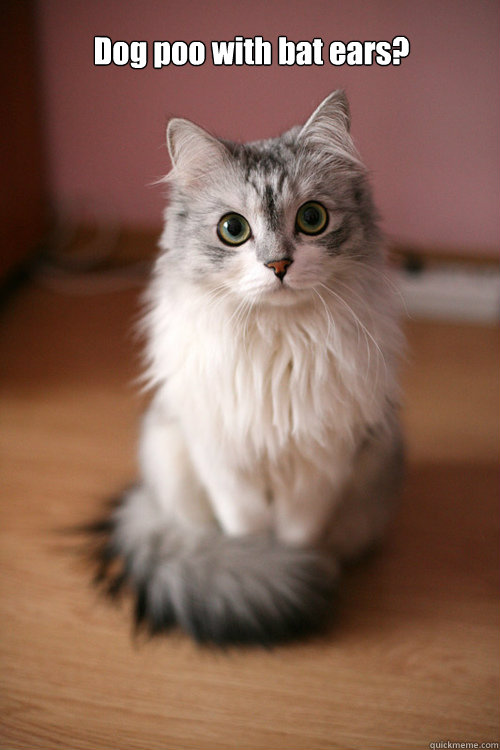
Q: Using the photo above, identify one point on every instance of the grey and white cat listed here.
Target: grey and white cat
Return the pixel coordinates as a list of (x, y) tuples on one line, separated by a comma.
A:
[(271, 450)]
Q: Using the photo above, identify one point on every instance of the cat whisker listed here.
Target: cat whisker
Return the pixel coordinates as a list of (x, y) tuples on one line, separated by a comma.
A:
[(240, 317), (238, 311), (392, 285), (366, 308), (245, 324), (359, 330), (216, 297), (363, 328), (327, 312), (360, 300), (385, 278)]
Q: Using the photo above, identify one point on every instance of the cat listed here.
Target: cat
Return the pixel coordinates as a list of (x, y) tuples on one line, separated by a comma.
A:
[(271, 452)]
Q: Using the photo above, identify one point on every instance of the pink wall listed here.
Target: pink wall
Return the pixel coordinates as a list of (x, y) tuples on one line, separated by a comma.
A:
[(428, 129)]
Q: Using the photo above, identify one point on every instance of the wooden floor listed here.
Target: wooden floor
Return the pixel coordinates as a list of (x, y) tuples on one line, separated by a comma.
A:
[(413, 656)]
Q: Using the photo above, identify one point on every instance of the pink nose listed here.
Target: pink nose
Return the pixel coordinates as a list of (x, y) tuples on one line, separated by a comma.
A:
[(279, 267)]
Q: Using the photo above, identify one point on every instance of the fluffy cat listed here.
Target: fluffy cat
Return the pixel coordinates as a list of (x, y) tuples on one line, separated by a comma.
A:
[(271, 450)]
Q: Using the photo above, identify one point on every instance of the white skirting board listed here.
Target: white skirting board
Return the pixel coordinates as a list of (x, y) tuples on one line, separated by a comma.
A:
[(452, 291)]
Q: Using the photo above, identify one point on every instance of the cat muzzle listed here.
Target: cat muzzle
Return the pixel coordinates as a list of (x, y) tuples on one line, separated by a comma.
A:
[(279, 267)]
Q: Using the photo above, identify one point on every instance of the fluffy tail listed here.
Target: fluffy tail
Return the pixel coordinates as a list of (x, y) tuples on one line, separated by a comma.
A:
[(219, 589)]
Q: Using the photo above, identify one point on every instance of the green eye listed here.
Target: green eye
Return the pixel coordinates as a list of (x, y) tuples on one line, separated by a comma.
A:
[(233, 229), (312, 218)]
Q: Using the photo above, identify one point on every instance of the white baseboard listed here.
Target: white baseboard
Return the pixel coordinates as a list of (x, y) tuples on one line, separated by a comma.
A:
[(452, 291)]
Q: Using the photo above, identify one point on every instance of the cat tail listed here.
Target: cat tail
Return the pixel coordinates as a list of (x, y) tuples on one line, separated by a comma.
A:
[(221, 590)]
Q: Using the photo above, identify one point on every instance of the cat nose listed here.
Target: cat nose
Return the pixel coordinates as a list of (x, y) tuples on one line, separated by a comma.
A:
[(279, 267)]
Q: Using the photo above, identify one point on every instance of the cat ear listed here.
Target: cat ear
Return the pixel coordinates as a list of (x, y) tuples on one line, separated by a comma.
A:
[(194, 152), (328, 126), (333, 111)]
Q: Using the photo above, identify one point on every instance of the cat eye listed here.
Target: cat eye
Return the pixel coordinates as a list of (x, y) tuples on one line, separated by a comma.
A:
[(233, 229), (312, 218)]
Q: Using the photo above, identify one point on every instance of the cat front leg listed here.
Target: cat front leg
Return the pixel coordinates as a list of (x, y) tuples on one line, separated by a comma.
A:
[(167, 499), (303, 513), (306, 495), (239, 498), (167, 471), (239, 503)]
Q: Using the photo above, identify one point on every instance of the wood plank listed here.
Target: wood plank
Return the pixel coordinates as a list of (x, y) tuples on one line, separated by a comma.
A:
[(413, 656)]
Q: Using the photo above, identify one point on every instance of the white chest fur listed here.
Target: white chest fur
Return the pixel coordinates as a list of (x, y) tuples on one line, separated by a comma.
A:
[(252, 381)]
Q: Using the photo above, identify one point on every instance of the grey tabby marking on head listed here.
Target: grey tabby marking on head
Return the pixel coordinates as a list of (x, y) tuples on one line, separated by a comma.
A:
[(271, 210), (271, 451), (334, 240)]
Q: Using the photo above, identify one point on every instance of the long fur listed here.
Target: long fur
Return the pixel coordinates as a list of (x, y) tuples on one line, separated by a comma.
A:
[(271, 450), (216, 587)]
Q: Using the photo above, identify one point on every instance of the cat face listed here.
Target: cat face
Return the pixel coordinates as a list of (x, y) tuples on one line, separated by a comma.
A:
[(271, 221)]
